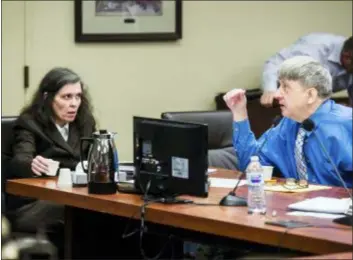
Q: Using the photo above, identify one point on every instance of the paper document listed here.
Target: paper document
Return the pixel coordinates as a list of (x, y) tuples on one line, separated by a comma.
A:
[(315, 214), (128, 181), (225, 183), (281, 188), (323, 204), (209, 170), (126, 168)]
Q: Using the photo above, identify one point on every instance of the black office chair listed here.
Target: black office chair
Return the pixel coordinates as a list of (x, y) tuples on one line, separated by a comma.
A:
[(7, 123), (220, 130), (27, 244)]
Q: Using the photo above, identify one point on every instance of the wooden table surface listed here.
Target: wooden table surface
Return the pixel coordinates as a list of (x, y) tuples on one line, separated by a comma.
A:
[(232, 222)]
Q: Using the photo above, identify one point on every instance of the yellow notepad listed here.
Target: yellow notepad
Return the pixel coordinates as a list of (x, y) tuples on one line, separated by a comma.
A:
[(281, 188)]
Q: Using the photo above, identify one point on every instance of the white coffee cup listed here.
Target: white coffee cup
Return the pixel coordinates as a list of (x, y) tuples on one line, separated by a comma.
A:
[(267, 170), (65, 179), (53, 167)]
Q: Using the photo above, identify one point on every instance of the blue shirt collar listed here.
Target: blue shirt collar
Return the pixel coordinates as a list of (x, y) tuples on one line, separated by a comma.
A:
[(322, 110)]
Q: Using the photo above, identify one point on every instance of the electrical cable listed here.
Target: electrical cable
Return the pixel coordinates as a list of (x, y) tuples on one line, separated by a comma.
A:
[(143, 227)]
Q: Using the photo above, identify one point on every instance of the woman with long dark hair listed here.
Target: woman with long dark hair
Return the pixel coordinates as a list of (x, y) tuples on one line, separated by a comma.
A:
[(49, 128)]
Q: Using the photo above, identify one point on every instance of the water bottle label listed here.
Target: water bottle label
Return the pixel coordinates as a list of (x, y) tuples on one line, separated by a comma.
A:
[(116, 166), (255, 178)]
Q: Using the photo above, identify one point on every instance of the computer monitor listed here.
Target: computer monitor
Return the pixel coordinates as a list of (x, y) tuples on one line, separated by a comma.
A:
[(171, 156)]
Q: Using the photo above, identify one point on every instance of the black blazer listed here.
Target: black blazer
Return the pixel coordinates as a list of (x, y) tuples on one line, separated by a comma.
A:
[(32, 139)]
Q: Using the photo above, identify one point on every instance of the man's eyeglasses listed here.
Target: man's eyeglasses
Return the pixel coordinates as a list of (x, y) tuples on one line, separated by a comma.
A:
[(293, 184)]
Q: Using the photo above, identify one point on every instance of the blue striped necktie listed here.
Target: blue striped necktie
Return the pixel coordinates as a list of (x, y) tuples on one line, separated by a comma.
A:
[(299, 155)]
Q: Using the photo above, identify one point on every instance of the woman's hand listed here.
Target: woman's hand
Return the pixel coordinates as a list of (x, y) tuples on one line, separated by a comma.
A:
[(40, 165)]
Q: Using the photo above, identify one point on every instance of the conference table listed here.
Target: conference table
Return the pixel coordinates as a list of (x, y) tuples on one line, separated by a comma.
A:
[(325, 237)]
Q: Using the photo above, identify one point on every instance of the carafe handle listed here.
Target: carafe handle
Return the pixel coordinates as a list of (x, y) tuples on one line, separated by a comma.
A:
[(84, 139)]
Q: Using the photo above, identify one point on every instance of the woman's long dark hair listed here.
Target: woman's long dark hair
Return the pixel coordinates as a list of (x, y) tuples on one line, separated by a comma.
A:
[(41, 105)]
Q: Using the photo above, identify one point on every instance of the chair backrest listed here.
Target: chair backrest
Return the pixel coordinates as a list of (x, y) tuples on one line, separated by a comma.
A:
[(220, 130), (7, 123), (7, 138), (219, 125)]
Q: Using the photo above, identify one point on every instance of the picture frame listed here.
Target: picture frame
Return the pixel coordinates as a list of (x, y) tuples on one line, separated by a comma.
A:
[(128, 21)]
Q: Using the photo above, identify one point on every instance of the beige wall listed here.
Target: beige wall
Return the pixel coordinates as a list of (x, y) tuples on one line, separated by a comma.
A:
[(224, 46)]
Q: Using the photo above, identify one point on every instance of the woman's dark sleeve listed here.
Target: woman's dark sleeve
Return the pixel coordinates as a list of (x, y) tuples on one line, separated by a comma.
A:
[(69, 164), (24, 149)]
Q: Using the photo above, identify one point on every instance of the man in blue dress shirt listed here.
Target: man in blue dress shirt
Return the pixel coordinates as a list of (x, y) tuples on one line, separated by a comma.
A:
[(304, 92), (334, 52)]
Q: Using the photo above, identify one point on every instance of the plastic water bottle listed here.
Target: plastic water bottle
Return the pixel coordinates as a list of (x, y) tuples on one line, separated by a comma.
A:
[(256, 192)]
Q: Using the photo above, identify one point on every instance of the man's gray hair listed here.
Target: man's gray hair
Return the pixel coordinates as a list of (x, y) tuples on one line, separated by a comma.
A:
[(309, 72)]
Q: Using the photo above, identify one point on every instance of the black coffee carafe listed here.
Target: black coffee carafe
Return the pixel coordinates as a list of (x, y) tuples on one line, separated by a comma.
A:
[(102, 162)]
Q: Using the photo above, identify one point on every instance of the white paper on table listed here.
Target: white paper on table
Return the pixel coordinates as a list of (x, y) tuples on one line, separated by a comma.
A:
[(128, 181), (210, 170), (322, 204), (126, 168), (225, 183), (314, 214)]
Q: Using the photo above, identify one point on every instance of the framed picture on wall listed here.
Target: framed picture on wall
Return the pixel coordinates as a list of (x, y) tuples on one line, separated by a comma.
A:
[(128, 20)]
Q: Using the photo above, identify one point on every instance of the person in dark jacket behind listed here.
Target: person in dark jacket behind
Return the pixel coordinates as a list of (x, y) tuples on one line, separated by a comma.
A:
[(50, 127)]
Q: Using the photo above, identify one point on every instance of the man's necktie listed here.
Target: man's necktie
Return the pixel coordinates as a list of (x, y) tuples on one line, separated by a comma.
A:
[(299, 155)]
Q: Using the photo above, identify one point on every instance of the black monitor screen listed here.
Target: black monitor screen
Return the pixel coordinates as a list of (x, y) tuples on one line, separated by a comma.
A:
[(172, 156)]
